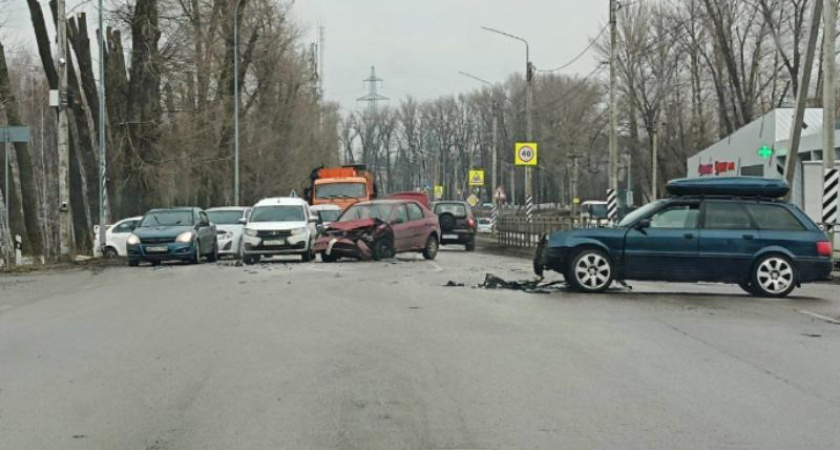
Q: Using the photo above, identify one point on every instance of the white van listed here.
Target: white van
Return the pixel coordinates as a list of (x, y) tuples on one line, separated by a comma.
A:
[(279, 226)]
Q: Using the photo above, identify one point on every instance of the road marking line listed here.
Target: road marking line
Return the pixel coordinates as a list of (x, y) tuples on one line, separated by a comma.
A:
[(437, 266), (819, 316)]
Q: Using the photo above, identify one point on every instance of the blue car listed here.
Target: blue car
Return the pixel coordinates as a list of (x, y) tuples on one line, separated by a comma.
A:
[(176, 234), (729, 230)]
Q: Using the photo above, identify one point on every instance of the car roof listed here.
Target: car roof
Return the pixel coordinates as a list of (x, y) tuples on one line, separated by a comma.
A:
[(281, 201), (174, 208), (227, 208)]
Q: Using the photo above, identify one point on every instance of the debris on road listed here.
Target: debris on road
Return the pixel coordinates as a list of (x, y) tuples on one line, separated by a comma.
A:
[(535, 286), (451, 283)]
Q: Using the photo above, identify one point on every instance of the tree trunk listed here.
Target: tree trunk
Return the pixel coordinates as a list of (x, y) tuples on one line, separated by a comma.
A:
[(29, 195)]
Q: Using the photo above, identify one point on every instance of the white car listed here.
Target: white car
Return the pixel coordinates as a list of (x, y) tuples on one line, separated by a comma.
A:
[(229, 221), (279, 226), (485, 225), (326, 214), (116, 236)]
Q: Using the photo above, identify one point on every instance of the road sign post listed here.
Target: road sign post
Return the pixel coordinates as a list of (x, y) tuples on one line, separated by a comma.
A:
[(525, 154)]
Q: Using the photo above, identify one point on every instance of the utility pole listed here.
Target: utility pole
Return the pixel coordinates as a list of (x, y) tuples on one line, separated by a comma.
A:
[(654, 177), (529, 130), (103, 166), (321, 74), (236, 103), (65, 222), (830, 182), (801, 97), (613, 185)]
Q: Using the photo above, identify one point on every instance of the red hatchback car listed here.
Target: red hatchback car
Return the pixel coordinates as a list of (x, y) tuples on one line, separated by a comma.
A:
[(380, 229)]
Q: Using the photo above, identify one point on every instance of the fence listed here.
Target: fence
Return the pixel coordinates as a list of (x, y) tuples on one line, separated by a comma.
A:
[(517, 232)]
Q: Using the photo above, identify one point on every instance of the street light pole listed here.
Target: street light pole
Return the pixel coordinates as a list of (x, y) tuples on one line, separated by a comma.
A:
[(103, 167), (529, 130), (235, 103)]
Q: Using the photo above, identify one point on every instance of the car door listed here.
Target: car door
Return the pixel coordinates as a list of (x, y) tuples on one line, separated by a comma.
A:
[(728, 241), (402, 228), (417, 228), (206, 234), (667, 248), (119, 235)]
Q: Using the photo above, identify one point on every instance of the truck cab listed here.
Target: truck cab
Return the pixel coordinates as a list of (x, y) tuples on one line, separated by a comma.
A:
[(342, 186)]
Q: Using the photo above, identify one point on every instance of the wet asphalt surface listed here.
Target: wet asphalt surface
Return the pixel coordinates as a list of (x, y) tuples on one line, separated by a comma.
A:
[(383, 356)]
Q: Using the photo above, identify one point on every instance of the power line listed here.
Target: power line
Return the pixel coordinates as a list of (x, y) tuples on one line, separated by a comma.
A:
[(579, 55)]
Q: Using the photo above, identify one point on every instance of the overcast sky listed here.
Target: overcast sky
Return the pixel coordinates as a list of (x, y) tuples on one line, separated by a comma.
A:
[(418, 47)]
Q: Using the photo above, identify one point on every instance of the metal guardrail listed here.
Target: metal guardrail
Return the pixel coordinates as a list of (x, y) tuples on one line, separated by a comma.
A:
[(518, 232)]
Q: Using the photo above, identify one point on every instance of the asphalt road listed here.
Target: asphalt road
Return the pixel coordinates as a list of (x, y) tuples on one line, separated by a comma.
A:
[(382, 356)]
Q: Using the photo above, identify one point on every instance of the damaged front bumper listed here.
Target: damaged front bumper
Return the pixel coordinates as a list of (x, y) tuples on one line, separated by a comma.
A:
[(343, 240)]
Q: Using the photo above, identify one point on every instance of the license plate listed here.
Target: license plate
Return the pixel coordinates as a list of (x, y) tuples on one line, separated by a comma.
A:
[(450, 236), (157, 249), (274, 243)]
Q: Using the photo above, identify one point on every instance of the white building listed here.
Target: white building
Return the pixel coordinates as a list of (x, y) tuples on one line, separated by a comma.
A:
[(760, 149)]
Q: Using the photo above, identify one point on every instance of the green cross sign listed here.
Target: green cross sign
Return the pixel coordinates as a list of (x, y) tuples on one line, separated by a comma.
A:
[(765, 152)]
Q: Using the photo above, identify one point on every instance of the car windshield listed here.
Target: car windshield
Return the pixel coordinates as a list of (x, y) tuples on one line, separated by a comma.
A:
[(277, 213), (456, 209), (177, 217), (225, 217), (341, 190), (329, 215), (639, 213), (379, 211)]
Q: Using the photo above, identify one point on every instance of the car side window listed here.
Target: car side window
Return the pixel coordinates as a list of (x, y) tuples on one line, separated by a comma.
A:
[(679, 216), (774, 217), (125, 227), (400, 215), (725, 216), (414, 212)]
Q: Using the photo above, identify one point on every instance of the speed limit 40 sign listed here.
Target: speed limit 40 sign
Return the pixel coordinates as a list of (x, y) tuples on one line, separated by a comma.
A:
[(526, 154)]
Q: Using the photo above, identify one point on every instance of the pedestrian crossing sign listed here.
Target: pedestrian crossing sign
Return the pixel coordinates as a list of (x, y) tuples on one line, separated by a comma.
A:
[(477, 177), (438, 192)]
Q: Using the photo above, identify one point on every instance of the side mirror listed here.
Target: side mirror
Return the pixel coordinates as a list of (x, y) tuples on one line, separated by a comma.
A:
[(242, 221), (643, 224)]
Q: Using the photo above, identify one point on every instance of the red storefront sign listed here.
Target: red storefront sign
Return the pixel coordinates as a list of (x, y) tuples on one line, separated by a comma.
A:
[(717, 168)]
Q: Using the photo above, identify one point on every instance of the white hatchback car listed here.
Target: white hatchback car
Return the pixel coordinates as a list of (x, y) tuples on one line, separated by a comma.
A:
[(279, 226), (116, 236), (229, 221)]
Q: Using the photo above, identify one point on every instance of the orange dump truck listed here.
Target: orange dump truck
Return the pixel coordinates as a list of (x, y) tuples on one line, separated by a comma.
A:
[(342, 186)]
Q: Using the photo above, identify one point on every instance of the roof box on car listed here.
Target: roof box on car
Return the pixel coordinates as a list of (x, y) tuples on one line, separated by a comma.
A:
[(729, 186)]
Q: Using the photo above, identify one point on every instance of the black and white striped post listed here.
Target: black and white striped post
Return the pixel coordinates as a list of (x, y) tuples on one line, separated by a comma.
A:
[(529, 208), (831, 183), (612, 205)]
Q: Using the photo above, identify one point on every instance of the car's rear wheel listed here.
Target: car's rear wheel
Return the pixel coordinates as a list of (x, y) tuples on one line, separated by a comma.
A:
[(431, 249), (382, 249), (470, 245), (591, 271), (774, 276)]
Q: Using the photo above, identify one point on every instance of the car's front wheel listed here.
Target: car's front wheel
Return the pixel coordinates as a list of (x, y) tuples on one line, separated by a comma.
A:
[(773, 276), (213, 256), (328, 258), (196, 257), (133, 262), (591, 271)]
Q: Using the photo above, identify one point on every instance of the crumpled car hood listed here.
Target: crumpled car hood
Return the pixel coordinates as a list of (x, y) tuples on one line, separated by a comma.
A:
[(353, 224)]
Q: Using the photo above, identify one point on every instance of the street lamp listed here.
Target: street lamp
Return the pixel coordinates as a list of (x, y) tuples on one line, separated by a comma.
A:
[(495, 174), (529, 199), (236, 103)]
